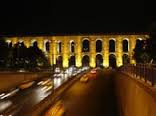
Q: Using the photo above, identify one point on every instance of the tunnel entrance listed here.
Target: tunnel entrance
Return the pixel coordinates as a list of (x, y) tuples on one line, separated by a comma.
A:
[(99, 60), (59, 61), (125, 59), (85, 60), (112, 61), (72, 61)]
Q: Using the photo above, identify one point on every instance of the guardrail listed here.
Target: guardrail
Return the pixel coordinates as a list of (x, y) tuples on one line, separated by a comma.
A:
[(144, 72)]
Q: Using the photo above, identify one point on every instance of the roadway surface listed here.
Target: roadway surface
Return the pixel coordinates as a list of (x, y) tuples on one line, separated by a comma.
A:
[(94, 98), (24, 100)]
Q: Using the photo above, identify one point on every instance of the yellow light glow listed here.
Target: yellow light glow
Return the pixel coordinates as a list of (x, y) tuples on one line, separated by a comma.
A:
[(78, 47), (106, 63), (65, 62), (92, 63), (78, 61), (133, 61)]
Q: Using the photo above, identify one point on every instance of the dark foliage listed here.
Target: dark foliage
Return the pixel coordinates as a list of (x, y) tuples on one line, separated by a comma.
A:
[(151, 42), (138, 51), (4, 53), (19, 56)]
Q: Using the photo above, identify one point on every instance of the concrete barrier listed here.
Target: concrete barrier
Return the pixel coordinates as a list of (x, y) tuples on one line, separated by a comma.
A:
[(12, 79), (134, 97)]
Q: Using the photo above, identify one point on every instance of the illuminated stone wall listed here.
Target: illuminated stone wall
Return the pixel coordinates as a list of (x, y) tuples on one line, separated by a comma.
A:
[(65, 49), (135, 98)]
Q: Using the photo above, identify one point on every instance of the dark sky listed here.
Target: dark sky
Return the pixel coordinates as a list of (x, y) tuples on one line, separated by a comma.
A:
[(27, 17)]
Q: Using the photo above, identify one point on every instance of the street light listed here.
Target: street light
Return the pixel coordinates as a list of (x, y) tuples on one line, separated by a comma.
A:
[(52, 41), (53, 65)]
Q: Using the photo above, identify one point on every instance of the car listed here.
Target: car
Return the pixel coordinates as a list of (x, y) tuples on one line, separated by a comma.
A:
[(21, 70), (110, 68), (46, 85), (93, 71), (84, 78), (57, 109), (98, 68), (9, 93), (26, 85), (45, 82), (57, 70)]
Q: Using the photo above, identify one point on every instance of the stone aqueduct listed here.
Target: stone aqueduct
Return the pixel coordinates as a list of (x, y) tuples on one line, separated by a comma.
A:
[(80, 46)]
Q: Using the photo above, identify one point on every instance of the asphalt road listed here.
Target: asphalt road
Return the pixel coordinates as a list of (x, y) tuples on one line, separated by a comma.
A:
[(95, 98), (24, 101)]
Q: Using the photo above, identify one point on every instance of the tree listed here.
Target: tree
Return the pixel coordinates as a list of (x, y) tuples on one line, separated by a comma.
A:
[(151, 42), (4, 52), (138, 51), (36, 57), (19, 52), (28, 58)]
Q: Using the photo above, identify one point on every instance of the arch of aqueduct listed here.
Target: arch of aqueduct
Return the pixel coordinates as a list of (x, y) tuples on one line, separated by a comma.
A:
[(66, 52)]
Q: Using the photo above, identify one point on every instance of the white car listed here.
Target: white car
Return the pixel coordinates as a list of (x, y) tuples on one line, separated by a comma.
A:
[(57, 70), (22, 70)]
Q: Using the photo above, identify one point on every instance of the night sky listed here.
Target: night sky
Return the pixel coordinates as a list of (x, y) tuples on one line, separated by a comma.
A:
[(61, 17)]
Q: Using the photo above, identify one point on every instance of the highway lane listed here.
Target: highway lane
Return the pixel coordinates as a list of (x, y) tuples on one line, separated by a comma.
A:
[(26, 99), (95, 98)]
